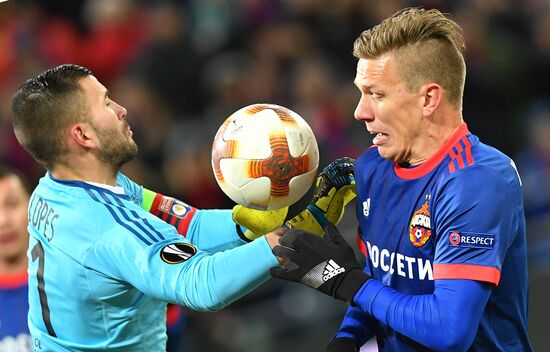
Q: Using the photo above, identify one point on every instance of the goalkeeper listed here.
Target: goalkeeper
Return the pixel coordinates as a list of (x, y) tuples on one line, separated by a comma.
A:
[(105, 254)]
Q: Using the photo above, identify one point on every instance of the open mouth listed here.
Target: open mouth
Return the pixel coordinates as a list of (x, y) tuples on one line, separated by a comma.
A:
[(379, 137)]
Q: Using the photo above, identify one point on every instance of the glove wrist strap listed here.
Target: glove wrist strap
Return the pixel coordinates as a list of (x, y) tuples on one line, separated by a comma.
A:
[(318, 215), (351, 283), (241, 234)]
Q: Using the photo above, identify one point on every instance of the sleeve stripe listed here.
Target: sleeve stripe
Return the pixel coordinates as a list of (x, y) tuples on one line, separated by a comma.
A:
[(153, 229), (136, 222), (137, 217), (138, 235), (467, 271), (123, 212)]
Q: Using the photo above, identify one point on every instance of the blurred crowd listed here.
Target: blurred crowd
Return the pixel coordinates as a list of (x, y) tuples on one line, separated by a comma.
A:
[(182, 67)]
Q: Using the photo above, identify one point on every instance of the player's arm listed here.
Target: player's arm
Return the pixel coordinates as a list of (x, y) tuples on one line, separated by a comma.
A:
[(444, 320), (212, 229), (357, 327), (152, 257)]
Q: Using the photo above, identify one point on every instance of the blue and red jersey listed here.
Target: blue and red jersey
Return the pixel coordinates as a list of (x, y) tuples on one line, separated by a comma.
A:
[(14, 305), (455, 219)]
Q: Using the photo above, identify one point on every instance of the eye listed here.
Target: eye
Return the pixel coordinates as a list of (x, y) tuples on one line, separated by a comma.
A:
[(375, 95)]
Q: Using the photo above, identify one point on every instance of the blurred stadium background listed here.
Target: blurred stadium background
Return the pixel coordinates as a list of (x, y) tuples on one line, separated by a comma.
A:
[(181, 67)]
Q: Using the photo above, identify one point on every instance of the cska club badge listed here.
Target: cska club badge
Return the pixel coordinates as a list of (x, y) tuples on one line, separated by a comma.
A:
[(420, 228)]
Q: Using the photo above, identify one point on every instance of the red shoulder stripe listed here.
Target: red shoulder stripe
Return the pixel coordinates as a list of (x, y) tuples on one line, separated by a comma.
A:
[(468, 272)]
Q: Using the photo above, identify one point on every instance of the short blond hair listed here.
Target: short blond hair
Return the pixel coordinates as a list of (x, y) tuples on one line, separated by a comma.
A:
[(428, 47)]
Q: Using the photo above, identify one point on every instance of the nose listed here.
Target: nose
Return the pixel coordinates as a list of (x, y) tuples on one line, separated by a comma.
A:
[(121, 111), (363, 111)]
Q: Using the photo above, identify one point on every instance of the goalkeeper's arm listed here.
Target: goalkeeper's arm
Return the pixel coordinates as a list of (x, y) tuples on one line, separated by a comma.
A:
[(222, 229)]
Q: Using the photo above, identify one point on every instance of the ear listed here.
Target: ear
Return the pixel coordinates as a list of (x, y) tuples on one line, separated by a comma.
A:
[(83, 135), (433, 93)]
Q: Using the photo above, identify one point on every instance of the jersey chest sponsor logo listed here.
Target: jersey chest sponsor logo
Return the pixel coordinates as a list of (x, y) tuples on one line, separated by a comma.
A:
[(176, 253), (472, 240), (420, 228), (174, 207), (395, 263)]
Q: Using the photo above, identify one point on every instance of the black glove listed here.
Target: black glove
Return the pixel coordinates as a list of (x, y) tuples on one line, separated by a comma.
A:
[(342, 344), (326, 264)]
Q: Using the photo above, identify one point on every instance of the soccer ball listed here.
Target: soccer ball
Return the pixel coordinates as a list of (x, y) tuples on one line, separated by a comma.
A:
[(265, 157)]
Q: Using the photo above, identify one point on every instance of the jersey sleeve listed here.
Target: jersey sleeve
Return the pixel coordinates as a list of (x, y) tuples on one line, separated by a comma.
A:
[(356, 325), (214, 230), (211, 230), (169, 267), (477, 216), (445, 320)]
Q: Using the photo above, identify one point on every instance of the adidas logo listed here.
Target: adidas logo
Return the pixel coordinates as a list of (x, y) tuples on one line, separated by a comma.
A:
[(331, 270)]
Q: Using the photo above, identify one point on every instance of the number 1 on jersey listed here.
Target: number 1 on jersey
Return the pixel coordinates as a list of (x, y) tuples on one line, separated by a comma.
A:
[(38, 252)]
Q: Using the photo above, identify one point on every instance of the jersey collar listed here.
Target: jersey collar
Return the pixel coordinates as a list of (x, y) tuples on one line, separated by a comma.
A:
[(114, 189), (87, 185), (430, 164)]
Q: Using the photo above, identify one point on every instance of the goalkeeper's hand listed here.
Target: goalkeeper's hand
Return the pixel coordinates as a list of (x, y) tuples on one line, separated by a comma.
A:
[(326, 264), (334, 188), (257, 222)]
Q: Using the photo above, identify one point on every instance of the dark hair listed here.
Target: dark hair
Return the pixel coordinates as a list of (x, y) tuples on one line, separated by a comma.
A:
[(6, 171), (43, 106)]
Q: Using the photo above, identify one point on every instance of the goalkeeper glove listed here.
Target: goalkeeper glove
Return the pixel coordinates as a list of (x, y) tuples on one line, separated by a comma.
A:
[(342, 344), (326, 264), (257, 222), (334, 188)]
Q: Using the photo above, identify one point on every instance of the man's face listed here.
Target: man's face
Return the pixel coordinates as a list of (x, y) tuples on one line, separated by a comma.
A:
[(14, 200), (108, 119), (391, 113)]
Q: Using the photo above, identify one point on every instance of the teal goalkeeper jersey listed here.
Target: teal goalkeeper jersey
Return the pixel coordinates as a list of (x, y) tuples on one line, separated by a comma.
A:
[(101, 269)]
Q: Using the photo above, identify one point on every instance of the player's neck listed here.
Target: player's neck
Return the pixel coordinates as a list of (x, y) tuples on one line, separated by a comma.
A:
[(88, 172), (435, 138)]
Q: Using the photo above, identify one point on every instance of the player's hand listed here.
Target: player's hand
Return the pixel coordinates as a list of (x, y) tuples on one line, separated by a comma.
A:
[(326, 264), (334, 188), (342, 344), (258, 222)]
